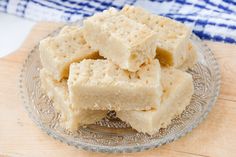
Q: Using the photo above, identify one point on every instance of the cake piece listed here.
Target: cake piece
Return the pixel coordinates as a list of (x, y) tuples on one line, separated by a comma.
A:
[(191, 58), (177, 92), (58, 92), (102, 85), (58, 52), (125, 42), (173, 36)]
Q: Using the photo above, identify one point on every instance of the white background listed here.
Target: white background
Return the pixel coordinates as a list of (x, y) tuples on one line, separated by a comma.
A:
[(13, 31)]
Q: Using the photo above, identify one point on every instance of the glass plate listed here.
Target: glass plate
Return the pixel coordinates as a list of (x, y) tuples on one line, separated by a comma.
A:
[(111, 134)]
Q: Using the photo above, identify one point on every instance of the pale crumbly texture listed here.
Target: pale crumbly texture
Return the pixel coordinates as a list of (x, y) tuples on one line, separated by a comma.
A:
[(173, 36), (125, 42), (58, 92), (191, 59), (177, 93), (101, 85), (58, 52)]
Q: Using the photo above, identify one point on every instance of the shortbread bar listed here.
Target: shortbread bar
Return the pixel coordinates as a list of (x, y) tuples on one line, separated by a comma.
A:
[(102, 85), (125, 42), (173, 36), (58, 52), (191, 58), (58, 92), (177, 93)]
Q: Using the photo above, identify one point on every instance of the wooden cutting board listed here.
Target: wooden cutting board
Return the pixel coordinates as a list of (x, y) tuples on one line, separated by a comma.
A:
[(20, 137)]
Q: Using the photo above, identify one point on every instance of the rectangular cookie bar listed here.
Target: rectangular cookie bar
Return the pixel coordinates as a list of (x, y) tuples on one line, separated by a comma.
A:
[(102, 85), (58, 52), (58, 92), (125, 42), (177, 92), (173, 36), (191, 58)]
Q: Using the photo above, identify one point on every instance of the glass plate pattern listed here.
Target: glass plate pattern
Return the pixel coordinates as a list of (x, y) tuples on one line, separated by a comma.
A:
[(111, 134)]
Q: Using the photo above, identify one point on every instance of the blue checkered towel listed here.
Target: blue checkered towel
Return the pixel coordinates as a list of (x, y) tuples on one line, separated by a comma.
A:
[(210, 19)]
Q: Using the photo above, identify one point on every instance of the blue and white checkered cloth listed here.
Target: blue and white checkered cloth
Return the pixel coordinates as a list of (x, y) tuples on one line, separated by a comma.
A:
[(210, 19)]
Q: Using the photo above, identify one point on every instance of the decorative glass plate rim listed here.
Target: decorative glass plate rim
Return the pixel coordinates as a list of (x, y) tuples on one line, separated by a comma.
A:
[(120, 149)]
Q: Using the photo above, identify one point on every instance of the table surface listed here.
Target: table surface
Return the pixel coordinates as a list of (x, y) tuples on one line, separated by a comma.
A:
[(19, 136)]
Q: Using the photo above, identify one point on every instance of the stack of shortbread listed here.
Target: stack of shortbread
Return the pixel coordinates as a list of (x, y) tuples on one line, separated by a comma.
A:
[(129, 61)]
